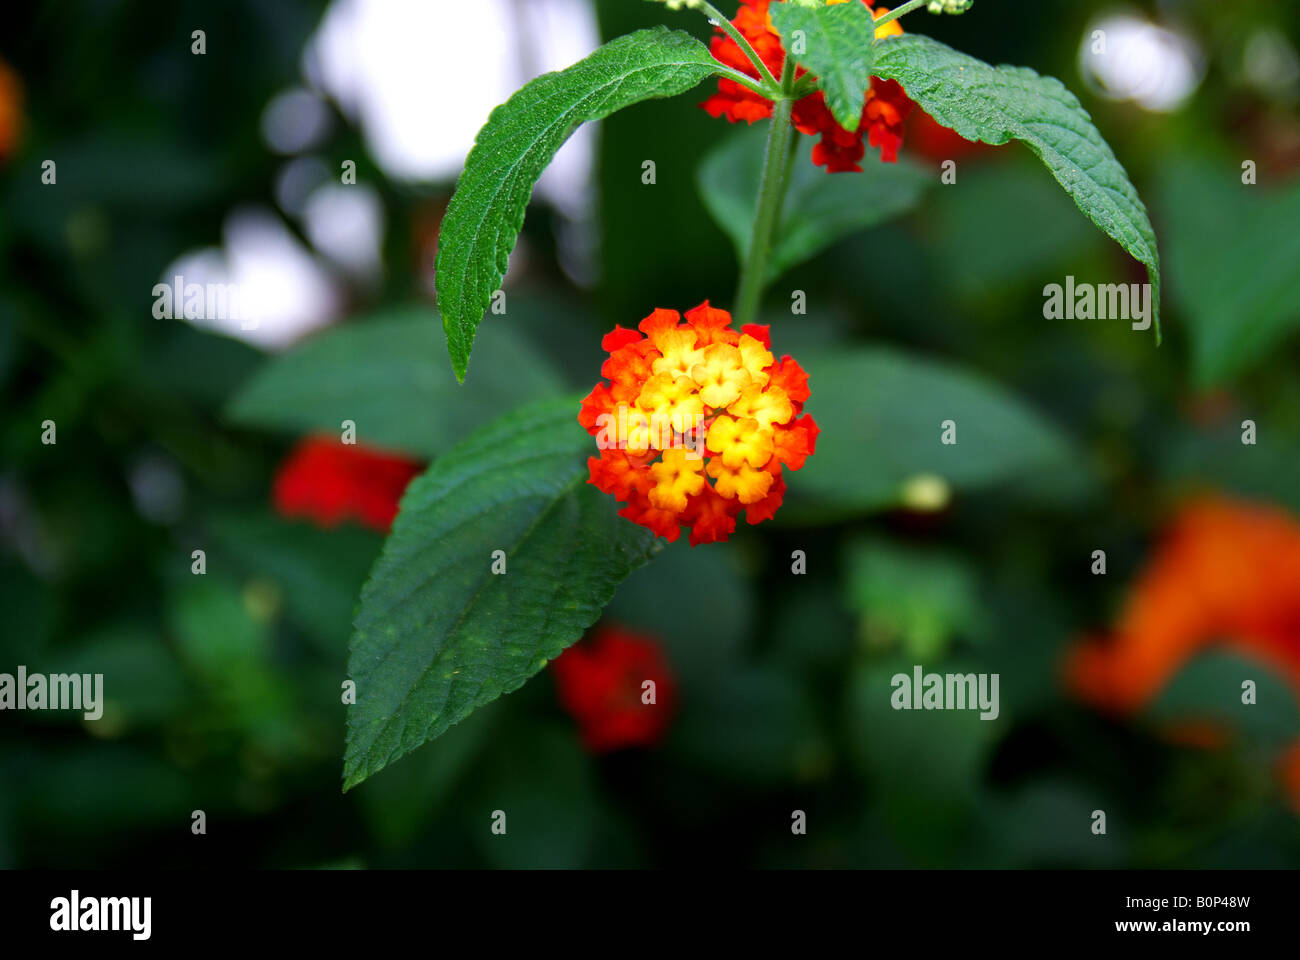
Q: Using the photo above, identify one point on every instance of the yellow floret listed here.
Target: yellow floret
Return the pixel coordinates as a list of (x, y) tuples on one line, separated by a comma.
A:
[(721, 375), (766, 406), (744, 483), (672, 403), (756, 358), (679, 352), (676, 477), (739, 441)]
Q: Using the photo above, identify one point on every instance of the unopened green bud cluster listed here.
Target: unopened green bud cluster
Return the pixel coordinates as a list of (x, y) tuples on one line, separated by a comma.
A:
[(682, 4), (950, 6)]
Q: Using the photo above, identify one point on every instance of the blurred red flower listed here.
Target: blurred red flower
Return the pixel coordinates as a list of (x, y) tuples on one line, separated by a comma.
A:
[(930, 139), (839, 150), (601, 683), (1225, 574), (329, 482), (10, 110)]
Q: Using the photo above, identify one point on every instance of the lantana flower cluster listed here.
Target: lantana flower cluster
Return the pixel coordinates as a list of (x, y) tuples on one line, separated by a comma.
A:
[(887, 105), (696, 423)]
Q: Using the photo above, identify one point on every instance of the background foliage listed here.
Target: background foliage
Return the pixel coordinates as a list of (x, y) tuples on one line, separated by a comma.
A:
[(224, 690)]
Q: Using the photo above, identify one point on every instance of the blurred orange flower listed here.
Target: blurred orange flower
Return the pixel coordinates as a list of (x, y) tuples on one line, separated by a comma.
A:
[(11, 100), (1226, 573)]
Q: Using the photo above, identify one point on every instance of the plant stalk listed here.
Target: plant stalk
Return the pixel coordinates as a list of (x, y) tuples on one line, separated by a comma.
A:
[(771, 198), (900, 11), (725, 25)]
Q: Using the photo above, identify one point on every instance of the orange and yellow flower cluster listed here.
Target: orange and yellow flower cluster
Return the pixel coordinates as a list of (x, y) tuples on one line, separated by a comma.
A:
[(839, 150), (694, 401)]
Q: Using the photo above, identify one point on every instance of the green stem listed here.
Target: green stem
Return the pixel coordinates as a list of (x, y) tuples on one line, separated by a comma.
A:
[(791, 155), (900, 11), (771, 196), (745, 80), (746, 47), (803, 86)]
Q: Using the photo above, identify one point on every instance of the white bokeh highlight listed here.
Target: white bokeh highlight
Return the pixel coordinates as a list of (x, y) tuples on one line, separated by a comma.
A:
[(284, 293), (420, 78), (1152, 66)]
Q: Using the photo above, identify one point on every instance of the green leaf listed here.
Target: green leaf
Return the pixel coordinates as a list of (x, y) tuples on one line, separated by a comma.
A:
[(819, 209), (1028, 826), (1208, 690), (925, 767), (757, 724), (984, 252), (320, 572), (1240, 298), (713, 638), (542, 777), (384, 375), (919, 596), (148, 684), (196, 365), (519, 140), (31, 612), (438, 633), (999, 104), (838, 40), (102, 785), (880, 412), (1210, 456), (228, 650), (411, 795)]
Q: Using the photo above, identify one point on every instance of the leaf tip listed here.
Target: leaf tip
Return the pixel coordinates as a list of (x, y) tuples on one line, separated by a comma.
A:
[(459, 359), (351, 776)]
